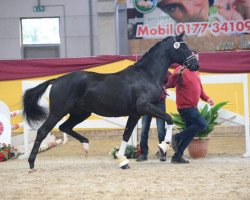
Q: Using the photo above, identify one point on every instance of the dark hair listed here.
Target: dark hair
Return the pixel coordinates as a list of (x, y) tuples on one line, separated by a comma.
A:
[(211, 2), (193, 51)]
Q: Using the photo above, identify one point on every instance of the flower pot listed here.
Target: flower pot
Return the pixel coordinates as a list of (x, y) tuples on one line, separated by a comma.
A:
[(198, 148)]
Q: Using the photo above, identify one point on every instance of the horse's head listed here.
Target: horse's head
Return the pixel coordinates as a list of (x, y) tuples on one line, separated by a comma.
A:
[(180, 53)]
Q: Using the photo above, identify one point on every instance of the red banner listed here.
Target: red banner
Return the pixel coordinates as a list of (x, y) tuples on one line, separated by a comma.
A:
[(217, 62), (21, 69)]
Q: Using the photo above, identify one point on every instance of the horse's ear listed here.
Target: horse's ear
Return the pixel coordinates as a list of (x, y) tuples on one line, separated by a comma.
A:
[(178, 37)]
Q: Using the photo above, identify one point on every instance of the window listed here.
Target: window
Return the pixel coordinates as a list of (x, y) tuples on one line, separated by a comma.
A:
[(40, 37), (40, 31)]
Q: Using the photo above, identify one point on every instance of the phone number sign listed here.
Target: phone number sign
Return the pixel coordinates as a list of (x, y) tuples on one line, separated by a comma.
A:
[(195, 29)]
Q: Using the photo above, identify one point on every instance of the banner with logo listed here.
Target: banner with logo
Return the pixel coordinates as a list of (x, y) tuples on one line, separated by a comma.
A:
[(161, 18)]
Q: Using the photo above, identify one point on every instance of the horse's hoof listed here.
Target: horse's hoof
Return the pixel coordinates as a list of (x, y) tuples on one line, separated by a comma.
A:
[(32, 170), (85, 149), (125, 166), (163, 146), (123, 161), (85, 152)]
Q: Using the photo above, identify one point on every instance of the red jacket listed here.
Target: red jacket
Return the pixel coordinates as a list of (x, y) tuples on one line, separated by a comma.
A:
[(190, 91), (164, 86)]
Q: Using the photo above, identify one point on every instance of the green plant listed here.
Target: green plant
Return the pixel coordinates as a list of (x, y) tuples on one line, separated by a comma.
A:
[(130, 152), (210, 115)]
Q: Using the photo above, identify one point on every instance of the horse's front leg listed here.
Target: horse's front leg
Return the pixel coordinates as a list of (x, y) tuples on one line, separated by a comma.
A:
[(154, 111), (122, 159)]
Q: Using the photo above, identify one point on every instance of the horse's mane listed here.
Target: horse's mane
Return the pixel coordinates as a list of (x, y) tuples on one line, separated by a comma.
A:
[(143, 58)]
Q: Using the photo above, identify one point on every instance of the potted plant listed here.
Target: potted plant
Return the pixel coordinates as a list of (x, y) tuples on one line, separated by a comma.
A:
[(199, 145), (130, 152)]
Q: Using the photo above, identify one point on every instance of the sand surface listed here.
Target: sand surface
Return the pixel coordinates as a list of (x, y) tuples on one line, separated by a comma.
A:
[(63, 173)]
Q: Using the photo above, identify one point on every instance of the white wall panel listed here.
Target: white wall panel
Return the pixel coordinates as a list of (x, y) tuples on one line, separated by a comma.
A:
[(75, 28)]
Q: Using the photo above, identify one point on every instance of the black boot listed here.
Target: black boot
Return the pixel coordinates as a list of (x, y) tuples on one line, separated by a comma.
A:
[(141, 158), (175, 143), (161, 155), (179, 160)]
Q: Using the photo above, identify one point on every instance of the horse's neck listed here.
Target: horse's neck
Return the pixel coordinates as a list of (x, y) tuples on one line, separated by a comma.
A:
[(155, 68)]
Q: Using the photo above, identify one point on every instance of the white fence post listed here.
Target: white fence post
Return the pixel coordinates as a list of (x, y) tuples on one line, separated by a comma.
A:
[(246, 112)]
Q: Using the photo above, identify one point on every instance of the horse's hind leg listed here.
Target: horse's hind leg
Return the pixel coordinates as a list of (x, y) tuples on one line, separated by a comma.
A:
[(70, 123), (42, 132)]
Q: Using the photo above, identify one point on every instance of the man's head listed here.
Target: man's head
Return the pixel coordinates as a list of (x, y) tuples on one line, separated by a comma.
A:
[(185, 10), (194, 52)]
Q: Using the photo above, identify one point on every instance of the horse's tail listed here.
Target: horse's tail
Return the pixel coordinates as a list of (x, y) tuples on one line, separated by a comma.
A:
[(32, 111)]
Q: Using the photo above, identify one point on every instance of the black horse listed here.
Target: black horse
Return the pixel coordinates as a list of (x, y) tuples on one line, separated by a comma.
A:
[(132, 92)]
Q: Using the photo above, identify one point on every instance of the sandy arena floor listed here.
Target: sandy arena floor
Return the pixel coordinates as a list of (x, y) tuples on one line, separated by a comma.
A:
[(63, 173)]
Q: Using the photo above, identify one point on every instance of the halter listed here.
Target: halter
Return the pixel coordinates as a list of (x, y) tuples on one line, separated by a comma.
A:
[(189, 58), (186, 62)]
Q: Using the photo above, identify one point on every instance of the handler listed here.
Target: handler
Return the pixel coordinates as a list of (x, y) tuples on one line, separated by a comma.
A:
[(188, 92)]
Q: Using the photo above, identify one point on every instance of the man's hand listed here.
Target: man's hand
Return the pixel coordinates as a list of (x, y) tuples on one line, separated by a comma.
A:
[(210, 101)]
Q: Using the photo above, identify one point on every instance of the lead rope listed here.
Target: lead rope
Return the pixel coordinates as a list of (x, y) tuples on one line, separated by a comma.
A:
[(180, 78), (180, 81)]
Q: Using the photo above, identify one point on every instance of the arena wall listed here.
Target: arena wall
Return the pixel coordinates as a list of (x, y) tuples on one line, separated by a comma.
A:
[(11, 91)]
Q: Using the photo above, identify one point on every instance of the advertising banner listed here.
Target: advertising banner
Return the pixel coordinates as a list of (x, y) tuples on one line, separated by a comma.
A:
[(160, 18)]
